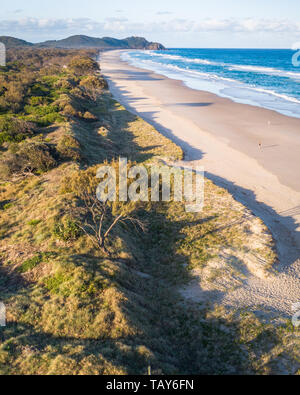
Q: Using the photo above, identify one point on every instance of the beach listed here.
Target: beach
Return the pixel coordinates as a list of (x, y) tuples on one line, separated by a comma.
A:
[(250, 151)]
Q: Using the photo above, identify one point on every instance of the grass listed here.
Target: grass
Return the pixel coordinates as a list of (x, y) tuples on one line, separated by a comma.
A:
[(34, 222), (30, 264)]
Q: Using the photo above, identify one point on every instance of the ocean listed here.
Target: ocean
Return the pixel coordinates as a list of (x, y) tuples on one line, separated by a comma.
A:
[(259, 77)]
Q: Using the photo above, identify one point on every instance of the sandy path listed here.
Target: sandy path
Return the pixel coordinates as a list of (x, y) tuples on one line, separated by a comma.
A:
[(223, 137)]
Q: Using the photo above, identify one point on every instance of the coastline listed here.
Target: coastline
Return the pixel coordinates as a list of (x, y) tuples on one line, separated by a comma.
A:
[(221, 135)]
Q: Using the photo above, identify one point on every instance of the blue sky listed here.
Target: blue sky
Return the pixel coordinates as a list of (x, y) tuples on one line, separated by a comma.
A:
[(189, 23)]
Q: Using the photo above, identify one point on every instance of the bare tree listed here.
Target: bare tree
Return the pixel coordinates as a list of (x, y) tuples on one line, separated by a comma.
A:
[(100, 218)]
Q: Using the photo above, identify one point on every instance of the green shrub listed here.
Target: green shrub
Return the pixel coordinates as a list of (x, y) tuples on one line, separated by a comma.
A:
[(44, 115), (50, 118), (39, 89), (30, 264), (66, 230), (34, 222), (14, 130), (53, 284), (36, 100), (7, 206), (41, 110)]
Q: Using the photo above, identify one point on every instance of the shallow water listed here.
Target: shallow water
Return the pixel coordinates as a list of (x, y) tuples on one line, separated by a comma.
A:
[(264, 78)]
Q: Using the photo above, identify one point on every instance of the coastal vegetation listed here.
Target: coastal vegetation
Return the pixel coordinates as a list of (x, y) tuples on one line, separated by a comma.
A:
[(82, 304)]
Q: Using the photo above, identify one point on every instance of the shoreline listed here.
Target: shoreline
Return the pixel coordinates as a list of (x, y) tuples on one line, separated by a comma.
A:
[(258, 125), (239, 100), (224, 136)]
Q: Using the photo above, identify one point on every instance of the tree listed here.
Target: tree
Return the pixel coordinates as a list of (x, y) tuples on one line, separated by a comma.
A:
[(95, 218), (101, 218), (81, 65)]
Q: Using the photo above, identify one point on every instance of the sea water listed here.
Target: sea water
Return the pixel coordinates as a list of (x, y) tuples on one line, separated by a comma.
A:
[(261, 77)]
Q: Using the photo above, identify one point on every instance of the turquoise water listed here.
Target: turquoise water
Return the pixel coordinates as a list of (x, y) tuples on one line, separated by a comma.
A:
[(264, 78)]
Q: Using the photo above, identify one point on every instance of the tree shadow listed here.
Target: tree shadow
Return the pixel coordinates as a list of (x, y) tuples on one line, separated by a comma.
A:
[(282, 225), (150, 117), (203, 104), (136, 75), (180, 334), (10, 282)]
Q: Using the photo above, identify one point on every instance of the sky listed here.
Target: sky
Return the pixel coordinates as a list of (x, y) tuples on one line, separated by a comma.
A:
[(174, 23)]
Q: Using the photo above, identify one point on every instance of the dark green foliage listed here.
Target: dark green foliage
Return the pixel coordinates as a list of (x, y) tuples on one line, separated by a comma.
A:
[(31, 263), (66, 230), (53, 283), (14, 130), (44, 115)]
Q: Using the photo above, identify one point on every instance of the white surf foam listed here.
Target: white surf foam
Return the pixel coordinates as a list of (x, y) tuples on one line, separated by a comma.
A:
[(224, 87)]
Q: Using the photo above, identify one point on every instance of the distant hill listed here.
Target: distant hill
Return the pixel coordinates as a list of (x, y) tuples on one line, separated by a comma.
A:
[(12, 42), (81, 41)]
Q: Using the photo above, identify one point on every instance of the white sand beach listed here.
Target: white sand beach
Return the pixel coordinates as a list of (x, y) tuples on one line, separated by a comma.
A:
[(225, 138)]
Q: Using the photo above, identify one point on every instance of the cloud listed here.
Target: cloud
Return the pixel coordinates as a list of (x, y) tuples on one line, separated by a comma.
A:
[(164, 13), (249, 25), (53, 28), (114, 19)]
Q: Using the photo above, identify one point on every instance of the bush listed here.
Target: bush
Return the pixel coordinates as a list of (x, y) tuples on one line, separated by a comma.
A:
[(41, 110), (36, 157), (70, 111), (36, 100), (81, 65), (6, 206), (13, 97), (69, 106), (32, 157), (44, 115), (51, 118), (89, 117), (65, 84), (40, 90), (14, 130), (93, 82), (66, 230), (69, 148)]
